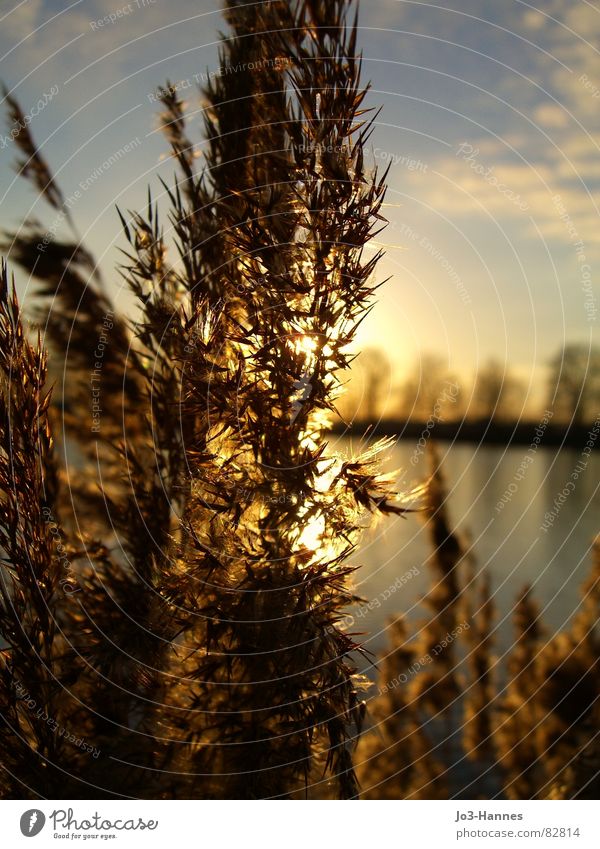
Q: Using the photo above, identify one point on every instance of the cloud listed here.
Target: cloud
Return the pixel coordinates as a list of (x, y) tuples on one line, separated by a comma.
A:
[(490, 180), (139, 33), (534, 19), (571, 34), (20, 22), (550, 115)]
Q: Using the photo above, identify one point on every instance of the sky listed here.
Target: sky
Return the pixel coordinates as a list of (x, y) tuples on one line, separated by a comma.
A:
[(490, 119)]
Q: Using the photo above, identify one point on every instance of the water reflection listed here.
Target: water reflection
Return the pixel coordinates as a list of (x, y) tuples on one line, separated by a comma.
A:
[(498, 499)]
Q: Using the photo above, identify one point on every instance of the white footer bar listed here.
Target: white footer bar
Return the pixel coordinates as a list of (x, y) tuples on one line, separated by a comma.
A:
[(301, 824)]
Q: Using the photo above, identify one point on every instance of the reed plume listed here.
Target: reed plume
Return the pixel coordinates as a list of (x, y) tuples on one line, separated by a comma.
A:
[(213, 573)]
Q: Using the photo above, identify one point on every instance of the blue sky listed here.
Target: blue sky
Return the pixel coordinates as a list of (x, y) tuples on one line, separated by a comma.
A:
[(490, 112)]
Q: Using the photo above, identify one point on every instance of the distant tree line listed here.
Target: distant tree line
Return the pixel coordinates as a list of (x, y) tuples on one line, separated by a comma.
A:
[(494, 393)]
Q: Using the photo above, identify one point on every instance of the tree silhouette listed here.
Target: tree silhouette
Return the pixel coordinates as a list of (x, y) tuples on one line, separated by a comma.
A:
[(497, 394), (430, 389), (574, 384)]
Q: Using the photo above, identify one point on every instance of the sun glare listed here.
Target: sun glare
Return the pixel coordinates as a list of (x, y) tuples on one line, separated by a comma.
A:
[(312, 533), (303, 344)]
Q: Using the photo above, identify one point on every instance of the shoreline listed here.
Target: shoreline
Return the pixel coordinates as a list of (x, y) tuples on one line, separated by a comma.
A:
[(479, 432)]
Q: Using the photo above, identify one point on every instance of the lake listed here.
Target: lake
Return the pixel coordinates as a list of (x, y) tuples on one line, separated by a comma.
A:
[(501, 500)]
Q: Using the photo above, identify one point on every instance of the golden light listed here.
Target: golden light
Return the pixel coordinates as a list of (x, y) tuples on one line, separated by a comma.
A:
[(312, 533), (303, 344)]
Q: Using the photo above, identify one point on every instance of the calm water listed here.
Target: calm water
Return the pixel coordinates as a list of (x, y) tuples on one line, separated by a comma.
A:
[(508, 542)]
